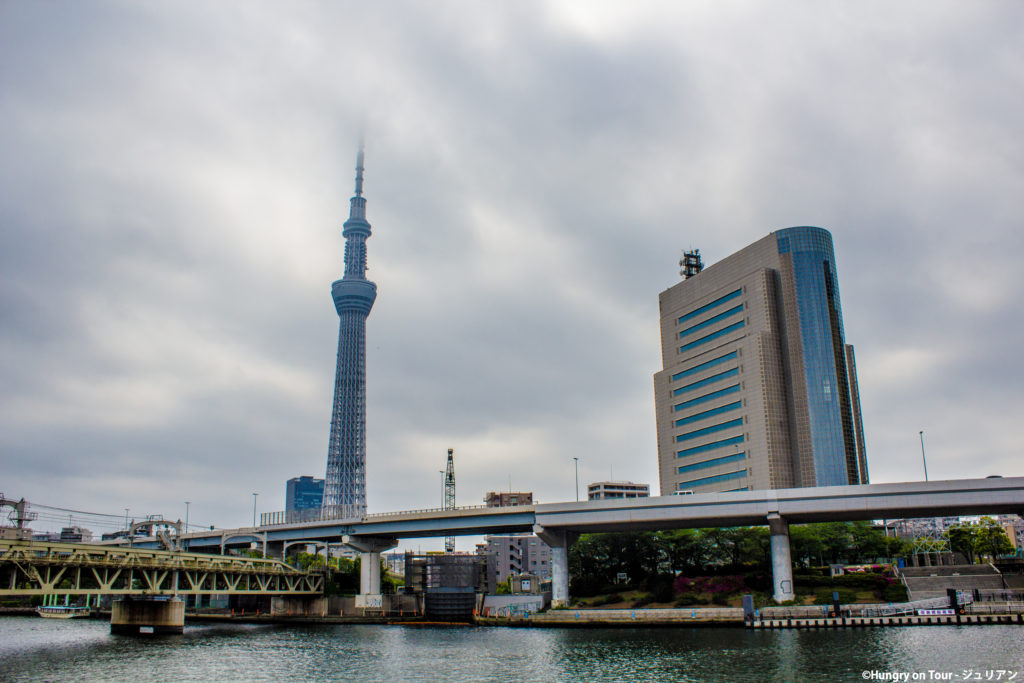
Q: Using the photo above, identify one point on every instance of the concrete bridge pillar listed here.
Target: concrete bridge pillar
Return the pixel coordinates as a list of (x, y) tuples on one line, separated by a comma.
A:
[(132, 615), (782, 564), (370, 548), (559, 541), (274, 549)]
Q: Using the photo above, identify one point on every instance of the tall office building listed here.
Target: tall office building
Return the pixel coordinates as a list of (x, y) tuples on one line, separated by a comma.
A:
[(345, 484), (303, 493), (759, 388)]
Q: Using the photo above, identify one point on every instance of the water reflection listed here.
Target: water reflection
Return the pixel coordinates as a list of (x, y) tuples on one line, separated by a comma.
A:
[(39, 649)]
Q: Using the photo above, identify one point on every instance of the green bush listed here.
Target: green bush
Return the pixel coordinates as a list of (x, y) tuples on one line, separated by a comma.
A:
[(585, 586), (614, 597), (866, 580), (720, 599), (758, 581), (823, 596), (663, 592), (863, 581), (897, 592), (811, 580), (686, 600), (643, 601)]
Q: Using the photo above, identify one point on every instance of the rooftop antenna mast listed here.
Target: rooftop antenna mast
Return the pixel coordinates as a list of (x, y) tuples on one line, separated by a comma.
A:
[(449, 496), (690, 264)]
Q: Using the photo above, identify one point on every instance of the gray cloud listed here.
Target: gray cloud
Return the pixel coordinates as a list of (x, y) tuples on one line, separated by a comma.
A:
[(174, 179)]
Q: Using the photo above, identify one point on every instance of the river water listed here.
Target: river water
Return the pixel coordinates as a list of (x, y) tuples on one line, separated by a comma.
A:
[(34, 649)]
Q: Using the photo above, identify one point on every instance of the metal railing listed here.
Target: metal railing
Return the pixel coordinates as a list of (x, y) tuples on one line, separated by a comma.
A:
[(385, 515), (284, 517), (898, 608)]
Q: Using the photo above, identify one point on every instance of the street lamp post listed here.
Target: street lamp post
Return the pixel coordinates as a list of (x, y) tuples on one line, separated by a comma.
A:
[(254, 509), (576, 465), (126, 519), (922, 456)]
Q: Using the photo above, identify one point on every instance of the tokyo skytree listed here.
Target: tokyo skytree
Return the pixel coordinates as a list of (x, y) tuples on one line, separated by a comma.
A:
[(345, 484)]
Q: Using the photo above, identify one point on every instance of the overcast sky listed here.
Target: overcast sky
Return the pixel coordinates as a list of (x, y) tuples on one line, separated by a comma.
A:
[(174, 176)]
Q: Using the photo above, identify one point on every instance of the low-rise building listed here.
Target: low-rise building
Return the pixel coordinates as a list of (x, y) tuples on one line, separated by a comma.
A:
[(516, 554), (602, 490), (75, 534), (504, 499)]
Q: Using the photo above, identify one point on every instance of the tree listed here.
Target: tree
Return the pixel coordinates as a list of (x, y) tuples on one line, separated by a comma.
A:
[(836, 541), (992, 539), (684, 551), (806, 546), (963, 539), (867, 543)]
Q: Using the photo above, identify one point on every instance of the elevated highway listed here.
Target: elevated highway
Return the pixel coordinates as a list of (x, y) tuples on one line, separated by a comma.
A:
[(557, 523)]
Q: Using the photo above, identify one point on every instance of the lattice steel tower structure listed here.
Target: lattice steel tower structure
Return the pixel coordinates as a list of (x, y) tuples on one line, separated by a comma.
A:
[(449, 496), (345, 484)]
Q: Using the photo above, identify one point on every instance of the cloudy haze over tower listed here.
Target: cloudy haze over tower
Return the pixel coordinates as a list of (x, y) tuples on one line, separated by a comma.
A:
[(345, 485)]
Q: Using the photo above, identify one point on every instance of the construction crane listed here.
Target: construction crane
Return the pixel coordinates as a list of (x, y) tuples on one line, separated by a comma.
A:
[(449, 496)]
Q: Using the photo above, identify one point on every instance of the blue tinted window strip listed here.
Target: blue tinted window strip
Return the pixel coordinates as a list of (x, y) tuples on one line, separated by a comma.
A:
[(707, 307), (709, 413), (711, 321), (704, 382), (704, 366), (714, 335), (744, 488), (709, 446), (738, 422), (706, 397), (738, 474), (711, 463)]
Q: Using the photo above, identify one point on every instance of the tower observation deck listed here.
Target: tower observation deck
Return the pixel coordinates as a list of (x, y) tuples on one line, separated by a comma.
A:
[(345, 483)]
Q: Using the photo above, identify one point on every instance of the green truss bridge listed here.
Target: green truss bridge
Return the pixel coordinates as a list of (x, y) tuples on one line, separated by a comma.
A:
[(148, 582)]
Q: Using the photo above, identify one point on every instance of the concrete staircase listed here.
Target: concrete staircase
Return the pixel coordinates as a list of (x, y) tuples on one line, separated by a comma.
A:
[(932, 582)]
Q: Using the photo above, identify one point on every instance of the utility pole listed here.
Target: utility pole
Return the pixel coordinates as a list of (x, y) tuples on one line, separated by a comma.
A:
[(449, 496), (576, 464), (254, 509), (922, 456)]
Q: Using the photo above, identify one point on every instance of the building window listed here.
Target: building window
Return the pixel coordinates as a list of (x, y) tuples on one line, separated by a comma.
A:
[(709, 446), (709, 413), (738, 474), (711, 463), (711, 321), (706, 397), (704, 366), (704, 382), (714, 335), (738, 422), (707, 307)]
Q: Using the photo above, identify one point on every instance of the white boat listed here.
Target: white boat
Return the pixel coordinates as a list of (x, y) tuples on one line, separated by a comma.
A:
[(63, 612)]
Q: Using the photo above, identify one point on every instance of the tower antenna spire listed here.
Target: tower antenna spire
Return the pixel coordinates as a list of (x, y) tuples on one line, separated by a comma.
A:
[(359, 170)]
